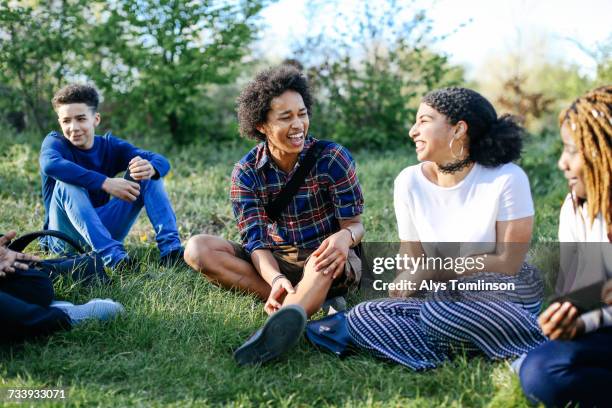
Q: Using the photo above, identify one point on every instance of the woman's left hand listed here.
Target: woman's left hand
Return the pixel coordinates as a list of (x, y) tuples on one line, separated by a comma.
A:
[(560, 321)]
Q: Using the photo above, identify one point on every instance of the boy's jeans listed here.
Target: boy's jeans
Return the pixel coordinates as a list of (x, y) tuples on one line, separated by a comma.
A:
[(104, 228)]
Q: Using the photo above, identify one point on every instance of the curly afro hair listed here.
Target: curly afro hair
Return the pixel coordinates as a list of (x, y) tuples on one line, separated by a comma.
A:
[(254, 101), (493, 141), (77, 93)]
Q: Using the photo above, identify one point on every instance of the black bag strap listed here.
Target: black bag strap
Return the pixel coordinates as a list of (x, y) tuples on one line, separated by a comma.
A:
[(276, 206), (19, 244)]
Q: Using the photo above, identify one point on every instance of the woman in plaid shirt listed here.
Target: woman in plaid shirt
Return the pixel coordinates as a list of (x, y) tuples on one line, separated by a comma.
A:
[(295, 263)]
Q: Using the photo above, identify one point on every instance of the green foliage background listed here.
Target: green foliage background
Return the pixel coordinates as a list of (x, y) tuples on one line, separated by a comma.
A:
[(157, 63), (171, 69)]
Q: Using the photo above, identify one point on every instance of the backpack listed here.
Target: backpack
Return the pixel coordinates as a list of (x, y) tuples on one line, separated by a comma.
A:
[(86, 268)]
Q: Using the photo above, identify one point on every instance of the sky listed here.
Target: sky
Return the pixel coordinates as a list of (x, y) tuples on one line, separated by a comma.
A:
[(491, 28)]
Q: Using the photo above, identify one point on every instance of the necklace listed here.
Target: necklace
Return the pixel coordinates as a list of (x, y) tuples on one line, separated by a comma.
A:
[(454, 167)]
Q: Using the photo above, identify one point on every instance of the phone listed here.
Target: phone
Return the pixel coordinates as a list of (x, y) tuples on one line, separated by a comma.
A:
[(128, 176), (585, 299)]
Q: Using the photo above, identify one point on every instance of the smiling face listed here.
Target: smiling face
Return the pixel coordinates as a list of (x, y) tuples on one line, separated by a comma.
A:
[(571, 162), (432, 134), (78, 122), (286, 127)]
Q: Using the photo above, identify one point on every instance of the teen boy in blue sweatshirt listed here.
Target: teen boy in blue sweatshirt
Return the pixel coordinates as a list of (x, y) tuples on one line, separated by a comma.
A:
[(78, 172)]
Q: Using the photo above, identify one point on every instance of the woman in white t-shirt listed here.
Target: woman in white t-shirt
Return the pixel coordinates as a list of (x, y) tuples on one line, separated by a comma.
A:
[(468, 201), (575, 367)]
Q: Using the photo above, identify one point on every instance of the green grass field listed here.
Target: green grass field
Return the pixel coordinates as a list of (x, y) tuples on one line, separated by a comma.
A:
[(174, 345)]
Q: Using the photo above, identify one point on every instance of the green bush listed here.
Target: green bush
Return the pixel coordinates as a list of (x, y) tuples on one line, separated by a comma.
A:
[(368, 78)]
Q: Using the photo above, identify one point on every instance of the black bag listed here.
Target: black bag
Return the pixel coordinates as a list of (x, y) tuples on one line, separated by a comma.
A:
[(86, 268), (275, 207)]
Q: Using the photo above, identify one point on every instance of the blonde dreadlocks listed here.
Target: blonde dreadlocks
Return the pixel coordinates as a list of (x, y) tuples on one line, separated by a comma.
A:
[(590, 120)]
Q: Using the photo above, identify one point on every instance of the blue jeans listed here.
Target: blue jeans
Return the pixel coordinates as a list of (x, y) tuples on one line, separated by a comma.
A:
[(578, 371), (104, 228)]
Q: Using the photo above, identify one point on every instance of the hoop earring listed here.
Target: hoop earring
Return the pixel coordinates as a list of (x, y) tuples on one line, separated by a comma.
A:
[(450, 146)]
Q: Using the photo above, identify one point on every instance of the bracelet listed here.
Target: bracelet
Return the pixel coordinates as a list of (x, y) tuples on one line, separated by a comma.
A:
[(353, 237), (277, 277)]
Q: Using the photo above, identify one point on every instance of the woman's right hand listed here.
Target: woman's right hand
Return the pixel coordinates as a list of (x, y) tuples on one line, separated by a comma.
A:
[(280, 288), (402, 279), (606, 293), (560, 321)]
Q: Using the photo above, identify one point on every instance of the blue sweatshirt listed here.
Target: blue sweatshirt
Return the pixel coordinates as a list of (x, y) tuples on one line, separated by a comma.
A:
[(60, 160)]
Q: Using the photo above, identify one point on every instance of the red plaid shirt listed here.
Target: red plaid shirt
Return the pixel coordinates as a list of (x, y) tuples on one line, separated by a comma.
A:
[(331, 192)]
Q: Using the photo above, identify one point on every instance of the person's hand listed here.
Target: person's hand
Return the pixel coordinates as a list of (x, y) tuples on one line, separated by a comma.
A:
[(141, 169), (403, 279), (606, 293), (280, 288), (11, 260), (121, 188), (332, 254), (7, 238), (560, 321)]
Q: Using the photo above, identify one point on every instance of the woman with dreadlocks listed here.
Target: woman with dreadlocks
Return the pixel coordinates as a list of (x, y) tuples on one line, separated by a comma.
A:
[(575, 367), (468, 201)]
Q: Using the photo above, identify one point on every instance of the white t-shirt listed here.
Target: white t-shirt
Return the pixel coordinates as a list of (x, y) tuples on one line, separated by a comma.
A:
[(466, 212), (582, 265), (574, 226)]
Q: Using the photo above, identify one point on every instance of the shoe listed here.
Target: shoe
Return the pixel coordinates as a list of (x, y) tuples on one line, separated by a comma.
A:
[(515, 366), (173, 258), (280, 333), (126, 264), (60, 303), (334, 305), (100, 309)]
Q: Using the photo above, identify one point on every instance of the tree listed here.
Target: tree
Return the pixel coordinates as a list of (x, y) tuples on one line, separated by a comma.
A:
[(368, 80), (517, 99), (532, 81), (601, 54), (161, 55), (37, 42)]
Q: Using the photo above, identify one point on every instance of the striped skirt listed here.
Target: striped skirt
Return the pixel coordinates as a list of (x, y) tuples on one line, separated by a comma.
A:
[(422, 332)]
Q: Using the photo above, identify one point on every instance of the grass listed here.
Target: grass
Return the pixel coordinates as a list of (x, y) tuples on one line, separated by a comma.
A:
[(173, 346)]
